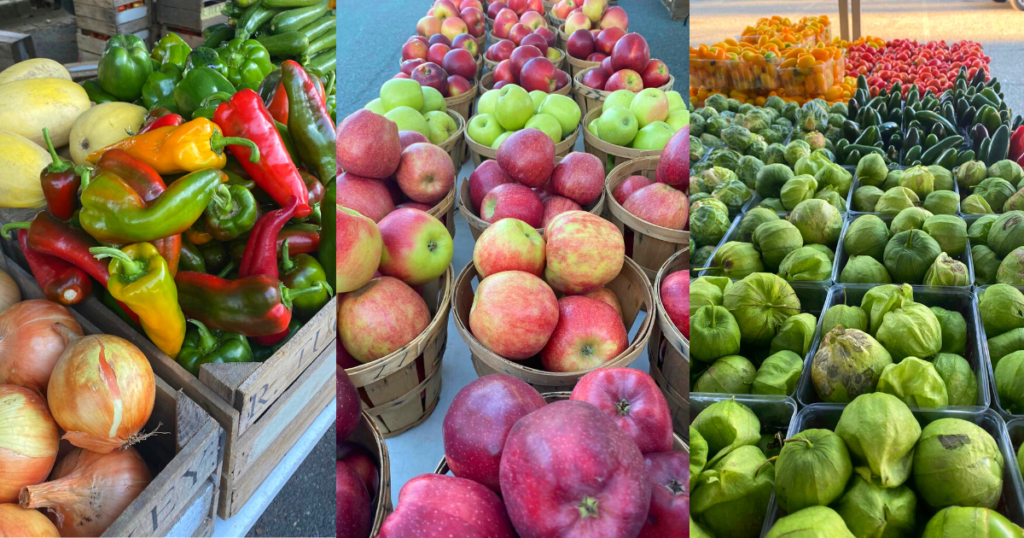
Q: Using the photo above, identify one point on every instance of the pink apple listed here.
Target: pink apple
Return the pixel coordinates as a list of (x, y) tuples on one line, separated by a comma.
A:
[(536, 6), (659, 204), (512, 200), (368, 197), (459, 62), (518, 32), (670, 500), (580, 44), (584, 252), (563, 8), (428, 26), (539, 74), (494, 8), (528, 156), (547, 34), (522, 55), (359, 247), (509, 245), (466, 41), (365, 468), (501, 50), (579, 177), (478, 422), (371, 147), (607, 39), (576, 21), (437, 52), (413, 49), (464, 4), (615, 17), (625, 79), (431, 74), (453, 26), (417, 247), (633, 401), (556, 205), (354, 513), (513, 314), (426, 173), (590, 475), (675, 295), (533, 20), (503, 74), (674, 166), (504, 22), (655, 75), (347, 399), (445, 9), (484, 178), (629, 186), (458, 85), (409, 66), (414, 205), (543, 192), (401, 75), (440, 505), (536, 40), (519, 6), (381, 317), (607, 297), (631, 52), (476, 23), (589, 334), (596, 78)]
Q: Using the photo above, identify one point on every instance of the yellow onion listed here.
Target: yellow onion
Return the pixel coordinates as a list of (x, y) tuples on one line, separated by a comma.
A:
[(89, 491), (29, 345), (18, 521), (101, 391), (28, 440), (9, 292)]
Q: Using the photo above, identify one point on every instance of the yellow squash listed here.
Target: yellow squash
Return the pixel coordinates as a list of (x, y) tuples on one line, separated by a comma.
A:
[(26, 106), (34, 68), (21, 160), (101, 126)]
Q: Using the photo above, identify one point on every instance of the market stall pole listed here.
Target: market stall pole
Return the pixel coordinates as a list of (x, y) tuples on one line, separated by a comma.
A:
[(98, 20), (845, 16)]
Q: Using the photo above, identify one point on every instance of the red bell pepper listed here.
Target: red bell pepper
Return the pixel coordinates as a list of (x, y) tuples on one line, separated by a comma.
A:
[(1016, 144), (61, 281), (245, 116), (260, 257), (160, 117), (60, 183)]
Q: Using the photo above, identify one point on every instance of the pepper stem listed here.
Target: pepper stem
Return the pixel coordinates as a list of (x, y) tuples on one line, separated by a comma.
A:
[(219, 141), (207, 342), (58, 165), (132, 268), (226, 270), (222, 201), (6, 230), (287, 264), (86, 174), (288, 295)]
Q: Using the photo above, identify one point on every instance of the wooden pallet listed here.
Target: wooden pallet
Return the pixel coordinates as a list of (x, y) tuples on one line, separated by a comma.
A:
[(105, 17), (186, 465), (195, 15)]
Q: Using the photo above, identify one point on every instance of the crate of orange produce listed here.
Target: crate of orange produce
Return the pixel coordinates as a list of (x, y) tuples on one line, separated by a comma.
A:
[(112, 17)]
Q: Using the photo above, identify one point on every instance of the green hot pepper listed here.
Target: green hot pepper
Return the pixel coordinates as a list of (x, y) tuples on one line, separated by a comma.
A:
[(303, 271), (248, 62), (97, 94), (197, 85), (228, 217), (211, 346), (209, 105), (124, 67), (328, 232)]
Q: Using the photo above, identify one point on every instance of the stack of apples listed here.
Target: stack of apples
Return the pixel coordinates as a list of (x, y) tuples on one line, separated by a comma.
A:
[(590, 15), (629, 66), (415, 108), (447, 66), (500, 113), (542, 38), (382, 169), (524, 183), (662, 202), (450, 20), (675, 295), (644, 120), (357, 477), (529, 67), (504, 17), (598, 464)]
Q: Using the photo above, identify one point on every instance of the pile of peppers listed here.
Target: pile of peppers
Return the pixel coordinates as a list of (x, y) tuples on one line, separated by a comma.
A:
[(203, 230)]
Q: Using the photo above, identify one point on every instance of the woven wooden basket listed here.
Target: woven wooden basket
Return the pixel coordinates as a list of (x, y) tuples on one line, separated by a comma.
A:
[(631, 287), (562, 38), (610, 154), (455, 146), (590, 98), (650, 246), (576, 66), (487, 83), (669, 350), (400, 391), (368, 437), (481, 41), (463, 104), (480, 153), (444, 211)]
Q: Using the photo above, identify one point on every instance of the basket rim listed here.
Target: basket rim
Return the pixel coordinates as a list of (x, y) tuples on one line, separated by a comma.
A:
[(489, 78), (668, 329), (383, 507), (577, 84), (468, 96), (490, 153), (583, 64), (679, 237)]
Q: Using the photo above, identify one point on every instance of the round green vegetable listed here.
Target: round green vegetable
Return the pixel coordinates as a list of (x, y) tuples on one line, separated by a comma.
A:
[(871, 170), (918, 179), (850, 317), (978, 231), (947, 272), (970, 174), (881, 433), (956, 373), (754, 218), (731, 374), (1006, 233), (1009, 378), (797, 190), (962, 522), (795, 335), (725, 426), (1002, 309), (709, 222), (908, 255), (864, 270), (880, 300), (867, 235), (771, 179), (910, 331), (870, 510), (895, 200), (957, 463), (995, 190), (911, 218), (812, 470), (812, 522), (761, 303), (731, 498), (916, 382), (949, 232), (713, 333), (942, 202), (954, 330), (735, 260), (1011, 269), (818, 221), (805, 264), (866, 198), (943, 177), (778, 374), (986, 265), (975, 205), (775, 240), (848, 363), (698, 454)]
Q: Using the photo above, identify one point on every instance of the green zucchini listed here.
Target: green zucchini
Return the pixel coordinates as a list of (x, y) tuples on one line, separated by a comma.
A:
[(1000, 144), (930, 140), (286, 45), (319, 26), (289, 4), (964, 157), (294, 20), (253, 19), (948, 159), (217, 35), (322, 43), (983, 150), (933, 153), (912, 155), (323, 62)]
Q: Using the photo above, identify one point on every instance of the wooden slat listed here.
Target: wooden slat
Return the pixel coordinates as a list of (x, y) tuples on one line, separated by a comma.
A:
[(196, 517), (191, 15)]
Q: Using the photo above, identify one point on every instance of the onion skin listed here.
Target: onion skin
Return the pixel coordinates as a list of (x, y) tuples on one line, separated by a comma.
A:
[(28, 440), (29, 346), (9, 293), (18, 521), (95, 376), (89, 491)]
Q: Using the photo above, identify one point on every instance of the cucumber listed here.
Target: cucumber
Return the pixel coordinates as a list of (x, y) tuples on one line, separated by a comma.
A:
[(217, 35), (289, 4), (933, 153), (323, 62), (286, 45), (322, 43), (253, 19), (294, 19), (318, 27), (1000, 143), (965, 157), (983, 150), (948, 159), (912, 155)]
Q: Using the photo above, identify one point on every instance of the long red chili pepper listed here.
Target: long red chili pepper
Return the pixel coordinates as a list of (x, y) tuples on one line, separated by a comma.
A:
[(61, 281), (245, 116), (260, 256)]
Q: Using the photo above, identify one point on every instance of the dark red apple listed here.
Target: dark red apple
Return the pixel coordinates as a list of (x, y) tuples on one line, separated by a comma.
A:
[(397, 196), (595, 78), (670, 501), (519, 32), (597, 57), (354, 511), (478, 422), (494, 8), (501, 50), (561, 78), (528, 156), (431, 74), (606, 64), (674, 166), (580, 44), (579, 177), (501, 84), (369, 197), (512, 200), (655, 75), (359, 461), (437, 52), (607, 39), (675, 294), (458, 85), (555, 205), (348, 407), (519, 58), (433, 505), (628, 187), (414, 205), (414, 48), (344, 359), (568, 470), (371, 146), (539, 74), (409, 138), (536, 40), (547, 34), (475, 21), (484, 178), (466, 41), (459, 62), (409, 65), (439, 39), (633, 401), (630, 52), (503, 73)]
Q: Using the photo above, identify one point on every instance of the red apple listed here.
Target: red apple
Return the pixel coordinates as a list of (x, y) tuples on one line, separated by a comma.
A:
[(431, 74), (501, 84), (458, 85), (475, 21), (494, 8), (459, 62), (512, 200), (565, 7), (615, 17), (536, 40), (607, 39), (345, 361), (428, 26), (409, 138), (453, 26), (441, 39), (607, 297), (349, 409), (414, 205), (464, 4), (478, 421), (576, 21), (606, 64), (414, 48), (501, 50), (484, 178), (509, 245), (426, 173), (513, 314), (522, 55), (355, 514), (547, 34), (628, 187), (655, 75), (518, 32), (589, 476), (675, 294), (535, 5), (437, 52), (433, 505), (584, 252), (519, 6), (596, 78), (556, 205), (597, 57), (504, 22), (659, 204), (397, 196), (670, 502), (401, 75), (561, 79), (528, 156), (533, 20), (445, 9), (409, 65), (580, 44), (365, 468), (539, 74), (626, 79), (633, 401), (589, 334), (503, 73), (579, 177), (466, 41), (368, 197), (674, 166), (358, 249), (370, 145), (381, 317), (631, 52), (417, 247)]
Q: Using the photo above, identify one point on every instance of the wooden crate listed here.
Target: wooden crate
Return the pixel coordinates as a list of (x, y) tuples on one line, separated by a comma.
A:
[(193, 38), (182, 498), (14, 48), (263, 407), (195, 15), (677, 9), (104, 17), (90, 47)]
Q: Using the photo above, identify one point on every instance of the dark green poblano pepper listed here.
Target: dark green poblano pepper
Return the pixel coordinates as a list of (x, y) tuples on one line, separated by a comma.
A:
[(211, 346)]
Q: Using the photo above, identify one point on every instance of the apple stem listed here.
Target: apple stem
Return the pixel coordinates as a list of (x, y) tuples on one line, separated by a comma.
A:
[(623, 407), (588, 508)]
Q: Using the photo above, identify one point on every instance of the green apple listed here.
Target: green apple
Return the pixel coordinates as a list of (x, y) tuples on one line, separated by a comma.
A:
[(617, 125), (538, 98), (653, 136), (547, 125), (487, 102), (622, 98), (593, 128), (564, 109), (649, 106), (432, 100), (497, 141), (441, 126), (675, 101), (376, 107), (484, 129), (678, 119), (409, 119), (401, 92), (514, 107)]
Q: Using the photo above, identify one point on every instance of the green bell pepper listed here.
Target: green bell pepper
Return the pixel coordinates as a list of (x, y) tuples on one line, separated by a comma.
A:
[(248, 62), (262, 353), (209, 105), (171, 49), (158, 92), (197, 85), (211, 346), (124, 67), (96, 93), (205, 57), (303, 271), (228, 217)]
